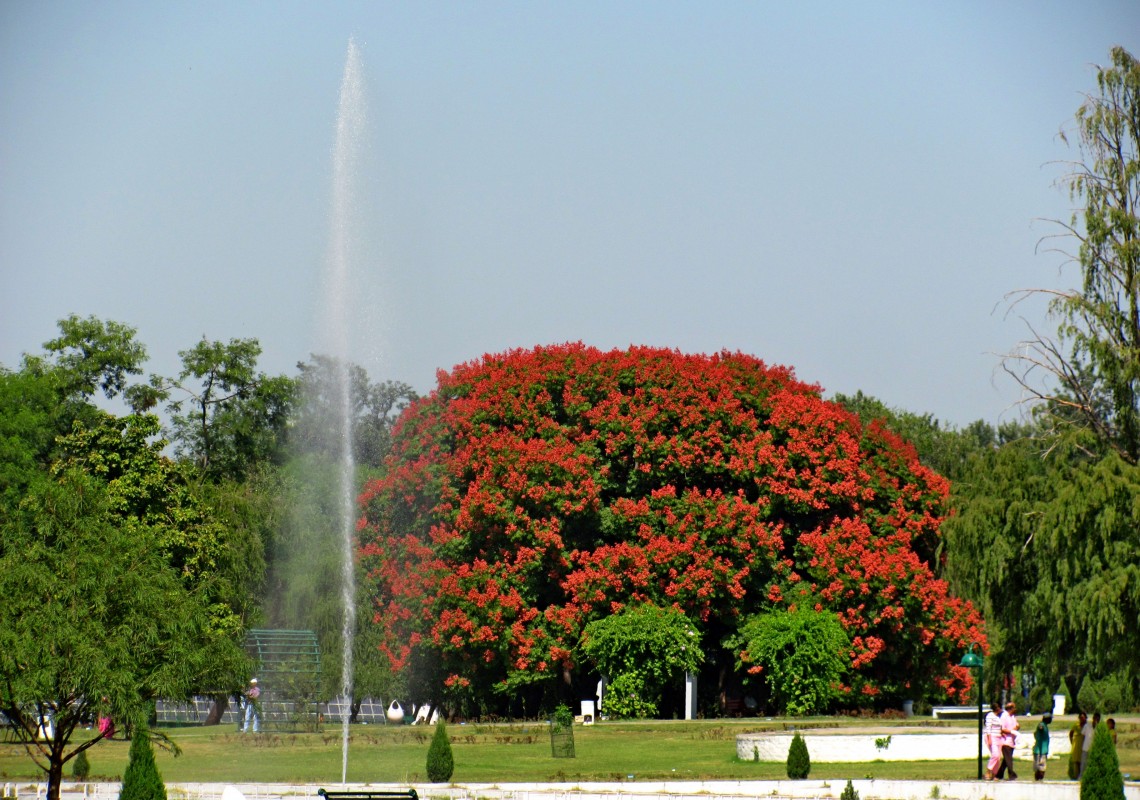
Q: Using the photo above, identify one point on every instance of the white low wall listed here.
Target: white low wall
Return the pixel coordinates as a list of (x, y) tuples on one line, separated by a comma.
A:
[(829, 747)]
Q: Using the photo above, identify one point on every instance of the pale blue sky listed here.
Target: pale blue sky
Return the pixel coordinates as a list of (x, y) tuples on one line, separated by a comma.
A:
[(846, 188)]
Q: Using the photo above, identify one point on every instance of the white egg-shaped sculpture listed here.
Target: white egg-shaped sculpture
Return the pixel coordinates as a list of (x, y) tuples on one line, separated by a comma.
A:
[(395, 713)]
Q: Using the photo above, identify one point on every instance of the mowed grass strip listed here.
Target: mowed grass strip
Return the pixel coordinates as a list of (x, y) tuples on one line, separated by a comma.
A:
[(509, 753)]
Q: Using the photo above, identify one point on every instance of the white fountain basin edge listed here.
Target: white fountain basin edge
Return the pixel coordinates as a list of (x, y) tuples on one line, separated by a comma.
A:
[(862, 747)]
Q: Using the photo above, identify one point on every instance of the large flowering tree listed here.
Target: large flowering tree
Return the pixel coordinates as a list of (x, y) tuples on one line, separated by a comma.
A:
[(537, 490)]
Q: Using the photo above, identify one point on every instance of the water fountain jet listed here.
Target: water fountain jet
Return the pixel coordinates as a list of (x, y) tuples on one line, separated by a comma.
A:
[(346, 155)]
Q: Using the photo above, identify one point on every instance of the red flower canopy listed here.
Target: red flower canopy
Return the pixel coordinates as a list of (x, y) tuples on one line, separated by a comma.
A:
[(537, 490)]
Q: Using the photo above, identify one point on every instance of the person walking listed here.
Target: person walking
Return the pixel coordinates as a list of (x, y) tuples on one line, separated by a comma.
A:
[(1009, 728), (992, 729), (1041, 747)]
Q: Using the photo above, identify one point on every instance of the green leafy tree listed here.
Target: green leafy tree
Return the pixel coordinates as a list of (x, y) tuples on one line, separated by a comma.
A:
[(51, 392), (91, 610), (641, 649), (93, 355), (440, 762), (798, 765), (198, 528), (141, 780), (801, 654), (849, 792), (226, 416), (1101, 779)]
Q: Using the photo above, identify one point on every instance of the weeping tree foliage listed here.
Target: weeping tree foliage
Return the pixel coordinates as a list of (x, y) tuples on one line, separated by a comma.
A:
[(801, 655), (1045, 539), (1048, 547), (641, 650)]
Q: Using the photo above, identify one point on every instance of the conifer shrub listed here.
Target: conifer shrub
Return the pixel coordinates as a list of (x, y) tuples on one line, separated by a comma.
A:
[(440, 762), (1102, 779), (81, 767), (849, 792), (141, 780), (799, 762)]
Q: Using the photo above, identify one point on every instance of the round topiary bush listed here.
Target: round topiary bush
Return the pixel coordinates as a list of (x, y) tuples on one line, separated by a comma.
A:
[(440, 762), (799, 762)]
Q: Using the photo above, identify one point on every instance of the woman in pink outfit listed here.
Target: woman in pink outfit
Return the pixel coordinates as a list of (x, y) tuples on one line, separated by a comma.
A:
[(992, 730), (1009, 728)]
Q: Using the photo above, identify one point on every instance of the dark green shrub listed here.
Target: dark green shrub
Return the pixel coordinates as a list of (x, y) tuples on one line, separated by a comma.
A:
[(440, 762), (849, 792), (799, 762), (1040, 699), (1102, 779), (1107, 695), (81, 767), (141, 780)]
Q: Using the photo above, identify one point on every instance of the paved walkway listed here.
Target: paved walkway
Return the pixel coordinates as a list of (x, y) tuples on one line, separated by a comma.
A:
[(648, 790)]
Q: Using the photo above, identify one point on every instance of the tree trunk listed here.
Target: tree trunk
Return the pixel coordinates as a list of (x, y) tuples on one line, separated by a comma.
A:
[(217, 710), (55, 774)]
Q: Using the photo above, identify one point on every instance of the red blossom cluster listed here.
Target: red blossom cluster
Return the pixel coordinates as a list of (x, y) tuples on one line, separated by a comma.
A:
[(537, 490)]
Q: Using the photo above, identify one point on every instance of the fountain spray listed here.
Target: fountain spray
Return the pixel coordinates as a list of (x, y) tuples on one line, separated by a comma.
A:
[(350, 124)]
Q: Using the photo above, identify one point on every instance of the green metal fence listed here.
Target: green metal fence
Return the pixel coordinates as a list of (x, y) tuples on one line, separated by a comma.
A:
[(288, 671)]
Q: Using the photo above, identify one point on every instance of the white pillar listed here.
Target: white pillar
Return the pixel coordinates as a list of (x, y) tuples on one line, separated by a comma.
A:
[(690, 695)]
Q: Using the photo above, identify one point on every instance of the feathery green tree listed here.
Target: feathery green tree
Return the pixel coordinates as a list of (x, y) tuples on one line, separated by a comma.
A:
[(141, 780), (440, 762), (1102, 779), (799, 762)]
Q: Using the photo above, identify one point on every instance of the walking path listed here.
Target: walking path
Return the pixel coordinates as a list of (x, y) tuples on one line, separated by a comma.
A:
[(648, 790)]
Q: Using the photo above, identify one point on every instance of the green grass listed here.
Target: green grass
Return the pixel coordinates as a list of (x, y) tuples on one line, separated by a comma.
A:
[(509, 753)]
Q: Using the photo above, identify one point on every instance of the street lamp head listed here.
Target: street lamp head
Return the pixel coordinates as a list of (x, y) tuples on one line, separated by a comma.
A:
[(972, 660)]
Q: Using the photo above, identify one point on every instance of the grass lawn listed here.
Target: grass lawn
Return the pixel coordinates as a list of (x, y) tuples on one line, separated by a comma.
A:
[(513, 753)]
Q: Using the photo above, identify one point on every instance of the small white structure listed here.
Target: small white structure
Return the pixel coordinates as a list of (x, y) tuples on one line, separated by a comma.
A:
[(232, 793), (395, 713), (690, 695), (587, 712), (1058, 705), (425, 715)]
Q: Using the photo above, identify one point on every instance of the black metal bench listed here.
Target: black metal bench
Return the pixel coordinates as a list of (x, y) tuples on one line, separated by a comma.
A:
[(409, 794)]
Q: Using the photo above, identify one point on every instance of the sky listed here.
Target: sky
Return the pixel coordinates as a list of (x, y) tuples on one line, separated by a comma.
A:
[(849, 189)]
